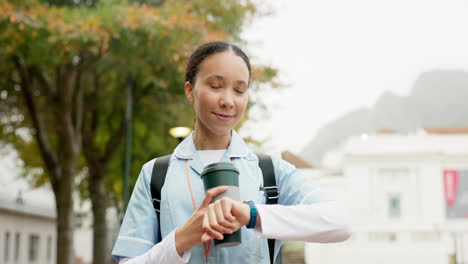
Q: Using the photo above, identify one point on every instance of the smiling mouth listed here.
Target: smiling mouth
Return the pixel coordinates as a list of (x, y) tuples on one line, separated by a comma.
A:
[(224, 117)]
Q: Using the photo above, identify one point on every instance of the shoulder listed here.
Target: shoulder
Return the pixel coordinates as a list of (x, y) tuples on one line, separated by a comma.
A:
[(281, 166), (147, 169), (278, 163)]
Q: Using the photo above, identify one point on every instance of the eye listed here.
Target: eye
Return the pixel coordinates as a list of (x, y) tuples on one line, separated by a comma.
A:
[(240, 89)]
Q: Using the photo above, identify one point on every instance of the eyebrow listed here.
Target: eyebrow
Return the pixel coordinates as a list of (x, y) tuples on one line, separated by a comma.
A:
[(221, 78)]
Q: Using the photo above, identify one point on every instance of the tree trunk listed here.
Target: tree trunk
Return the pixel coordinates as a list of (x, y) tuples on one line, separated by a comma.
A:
[(63, 190), (98, 162), (60, 159), (64, 201), (69, 147), (97, 191)]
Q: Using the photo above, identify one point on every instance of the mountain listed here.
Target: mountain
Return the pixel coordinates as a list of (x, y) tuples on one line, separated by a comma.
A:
[(438, 98)]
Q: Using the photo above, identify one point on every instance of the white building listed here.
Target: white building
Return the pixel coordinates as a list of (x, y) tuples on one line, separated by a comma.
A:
[(28, 219), (393, 188)]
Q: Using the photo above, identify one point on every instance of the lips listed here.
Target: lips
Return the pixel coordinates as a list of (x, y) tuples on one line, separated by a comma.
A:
[(224, 117)]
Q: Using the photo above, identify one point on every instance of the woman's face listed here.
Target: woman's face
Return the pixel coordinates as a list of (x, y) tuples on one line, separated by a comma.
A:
[(219, 95)]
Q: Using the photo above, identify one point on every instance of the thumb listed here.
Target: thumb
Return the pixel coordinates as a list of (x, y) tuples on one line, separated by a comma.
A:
[(212, 193)]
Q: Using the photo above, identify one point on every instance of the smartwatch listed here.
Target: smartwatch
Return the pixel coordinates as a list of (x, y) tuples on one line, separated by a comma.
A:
[(253, 214)]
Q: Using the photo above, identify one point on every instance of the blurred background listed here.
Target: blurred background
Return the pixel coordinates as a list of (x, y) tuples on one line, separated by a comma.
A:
[(370, 98)]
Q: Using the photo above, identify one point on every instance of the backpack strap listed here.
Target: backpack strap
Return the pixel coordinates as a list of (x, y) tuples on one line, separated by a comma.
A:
[(158, 176), (272, 195), (269, 181)]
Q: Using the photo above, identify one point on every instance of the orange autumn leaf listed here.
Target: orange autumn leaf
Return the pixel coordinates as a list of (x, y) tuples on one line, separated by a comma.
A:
[(215, 35)]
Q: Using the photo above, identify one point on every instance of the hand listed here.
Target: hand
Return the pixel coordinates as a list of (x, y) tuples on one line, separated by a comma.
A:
[(225, 216), (192, 232)]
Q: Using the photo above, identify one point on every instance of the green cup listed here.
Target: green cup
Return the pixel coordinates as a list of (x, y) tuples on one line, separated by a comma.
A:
[(218, 174)]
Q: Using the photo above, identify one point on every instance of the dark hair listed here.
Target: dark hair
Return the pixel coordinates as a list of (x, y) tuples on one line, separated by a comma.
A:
[(206, 50)]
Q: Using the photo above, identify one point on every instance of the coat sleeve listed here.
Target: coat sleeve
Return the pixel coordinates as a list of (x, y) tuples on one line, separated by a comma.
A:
[(163, 252), (304, 213)]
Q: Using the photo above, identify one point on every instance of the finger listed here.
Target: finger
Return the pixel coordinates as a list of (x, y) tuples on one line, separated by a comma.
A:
[(205, 237), (208, 230), (220, 209), (227, 207), (211, 193), (208, 236), (215, 234), (214, 225)]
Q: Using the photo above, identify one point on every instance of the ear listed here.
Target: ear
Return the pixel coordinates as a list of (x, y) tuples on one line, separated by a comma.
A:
[(188, 91)]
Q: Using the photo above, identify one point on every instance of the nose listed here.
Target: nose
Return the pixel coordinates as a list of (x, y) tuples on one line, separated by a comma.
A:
[(227, 100)]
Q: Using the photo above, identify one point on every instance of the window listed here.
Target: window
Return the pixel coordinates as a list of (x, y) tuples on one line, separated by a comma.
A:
[(33, 247), (49, 248), (7, 246), (17, 246), (79, 219), (394, 206)]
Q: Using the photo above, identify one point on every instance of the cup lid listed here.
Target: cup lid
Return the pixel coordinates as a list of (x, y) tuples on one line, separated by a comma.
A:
[(219, 166)]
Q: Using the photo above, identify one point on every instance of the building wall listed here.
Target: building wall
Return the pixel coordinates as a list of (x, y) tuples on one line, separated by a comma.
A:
[(373, 175), (25, 226)]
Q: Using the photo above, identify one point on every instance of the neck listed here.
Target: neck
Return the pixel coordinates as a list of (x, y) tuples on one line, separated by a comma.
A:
[(206, 140)]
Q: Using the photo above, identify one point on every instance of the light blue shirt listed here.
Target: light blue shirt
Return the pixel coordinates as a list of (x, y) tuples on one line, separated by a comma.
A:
[(139, 230)]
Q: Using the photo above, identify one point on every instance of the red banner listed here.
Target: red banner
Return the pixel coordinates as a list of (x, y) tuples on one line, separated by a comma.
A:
[(450, 186)]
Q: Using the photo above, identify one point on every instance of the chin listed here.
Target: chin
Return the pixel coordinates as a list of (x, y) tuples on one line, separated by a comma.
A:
[(221, 132)]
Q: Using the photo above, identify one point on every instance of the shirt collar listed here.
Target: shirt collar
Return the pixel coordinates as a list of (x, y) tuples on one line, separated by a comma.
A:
[(237, 147)]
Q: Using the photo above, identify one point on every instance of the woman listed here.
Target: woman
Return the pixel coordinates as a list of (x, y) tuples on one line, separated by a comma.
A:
[(217, 84)]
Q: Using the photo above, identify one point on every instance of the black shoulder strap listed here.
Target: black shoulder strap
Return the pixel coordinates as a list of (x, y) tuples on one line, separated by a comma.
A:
[(269, 181), (272, 195), (158, 176)]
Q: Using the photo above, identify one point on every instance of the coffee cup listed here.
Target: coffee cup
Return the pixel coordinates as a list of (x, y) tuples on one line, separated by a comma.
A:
[(219, 174)]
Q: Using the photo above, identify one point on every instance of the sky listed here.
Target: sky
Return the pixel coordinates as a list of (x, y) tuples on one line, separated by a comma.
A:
[(336, 56), (11, 185)]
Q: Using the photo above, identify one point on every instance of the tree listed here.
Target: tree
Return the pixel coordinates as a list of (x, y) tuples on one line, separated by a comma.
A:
[(62, 81)]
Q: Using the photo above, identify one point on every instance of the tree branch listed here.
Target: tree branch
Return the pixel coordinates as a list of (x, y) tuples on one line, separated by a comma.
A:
[(49, 157), (92, 114), (68, 86), (44, 81), (95, 111), (87, 60), (78, 102), (114, 142), (69, 135)]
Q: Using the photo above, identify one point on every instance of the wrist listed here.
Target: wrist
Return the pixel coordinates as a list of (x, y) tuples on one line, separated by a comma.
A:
[(181, 241), (246, 209)]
